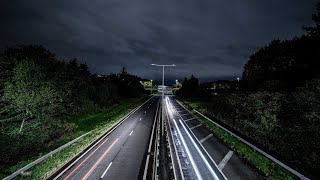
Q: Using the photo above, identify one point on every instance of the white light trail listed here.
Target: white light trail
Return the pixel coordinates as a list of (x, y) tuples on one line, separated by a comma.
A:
[(201, 154), (194, 166), (170, 106)]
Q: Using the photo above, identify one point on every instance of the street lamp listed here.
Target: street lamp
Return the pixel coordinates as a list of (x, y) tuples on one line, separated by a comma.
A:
[(151, 86), (163, 65)]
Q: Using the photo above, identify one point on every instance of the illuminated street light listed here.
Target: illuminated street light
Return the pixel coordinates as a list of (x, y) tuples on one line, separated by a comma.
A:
[(163, 65), (151, 86)]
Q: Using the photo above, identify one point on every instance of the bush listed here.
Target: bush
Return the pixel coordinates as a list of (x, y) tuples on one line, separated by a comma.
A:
[(286, 124), (39, 95), (34, 111)]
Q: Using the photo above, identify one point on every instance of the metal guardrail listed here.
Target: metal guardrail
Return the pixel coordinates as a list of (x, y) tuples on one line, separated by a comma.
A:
[(145, 173), (13, 175), (301, 176), (169, 145), (219, 174), (169, 130), (67, 166), (156, 152)]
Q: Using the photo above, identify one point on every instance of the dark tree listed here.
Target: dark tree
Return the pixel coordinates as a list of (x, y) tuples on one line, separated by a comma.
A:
[(314, 31), (284, 65), (128, 85), (190, 87), (40, 94)]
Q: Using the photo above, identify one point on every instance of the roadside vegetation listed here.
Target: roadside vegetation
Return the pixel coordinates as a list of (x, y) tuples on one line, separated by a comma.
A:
[(97, 123), (46, 102), (265, 165), (276, 103)]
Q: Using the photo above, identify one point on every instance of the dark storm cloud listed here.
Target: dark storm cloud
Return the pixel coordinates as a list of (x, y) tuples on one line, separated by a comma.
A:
[(208, 38)]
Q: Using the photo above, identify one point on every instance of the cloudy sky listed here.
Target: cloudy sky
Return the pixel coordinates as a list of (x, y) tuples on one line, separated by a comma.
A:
[(211, 39)]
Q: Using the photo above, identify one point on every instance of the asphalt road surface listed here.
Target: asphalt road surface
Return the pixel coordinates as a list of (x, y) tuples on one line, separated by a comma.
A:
[(121, 154), (194, 162), (229, 163)]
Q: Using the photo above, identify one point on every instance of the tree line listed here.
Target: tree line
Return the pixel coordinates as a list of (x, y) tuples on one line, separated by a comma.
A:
[(39, 93), (283, 65)]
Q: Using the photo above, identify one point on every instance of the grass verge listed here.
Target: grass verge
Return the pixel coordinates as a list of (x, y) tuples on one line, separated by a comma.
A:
[(98, 123), (265, 165)]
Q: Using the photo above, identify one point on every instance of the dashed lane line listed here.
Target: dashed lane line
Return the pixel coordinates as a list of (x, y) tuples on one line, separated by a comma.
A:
[(189, 119), (98, 162), (206, 138), (225, 160), (196, 126), (105, 171)]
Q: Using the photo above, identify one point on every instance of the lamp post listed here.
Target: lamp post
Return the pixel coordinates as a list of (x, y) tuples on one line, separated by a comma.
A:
[(163, 65), (151, 86), (238, 84), (175, 88)]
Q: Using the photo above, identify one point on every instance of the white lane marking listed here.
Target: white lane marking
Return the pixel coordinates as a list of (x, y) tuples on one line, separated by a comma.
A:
[(223, 176), (145, 111), (105, 171), (206, 138), (99, 161), (96, 143), (131, 133), (189, 119), (140, 119), (150, 143), (196, 126), (225, 160)]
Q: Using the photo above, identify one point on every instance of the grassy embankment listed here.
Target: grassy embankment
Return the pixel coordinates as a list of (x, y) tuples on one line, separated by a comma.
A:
[(266, 166), (98, 123)]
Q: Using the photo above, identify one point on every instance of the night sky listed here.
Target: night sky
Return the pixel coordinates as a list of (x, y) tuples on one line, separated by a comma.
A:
[(211, 39)]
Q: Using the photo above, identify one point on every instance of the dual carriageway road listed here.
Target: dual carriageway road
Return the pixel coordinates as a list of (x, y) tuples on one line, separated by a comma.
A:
[(122, 153)]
